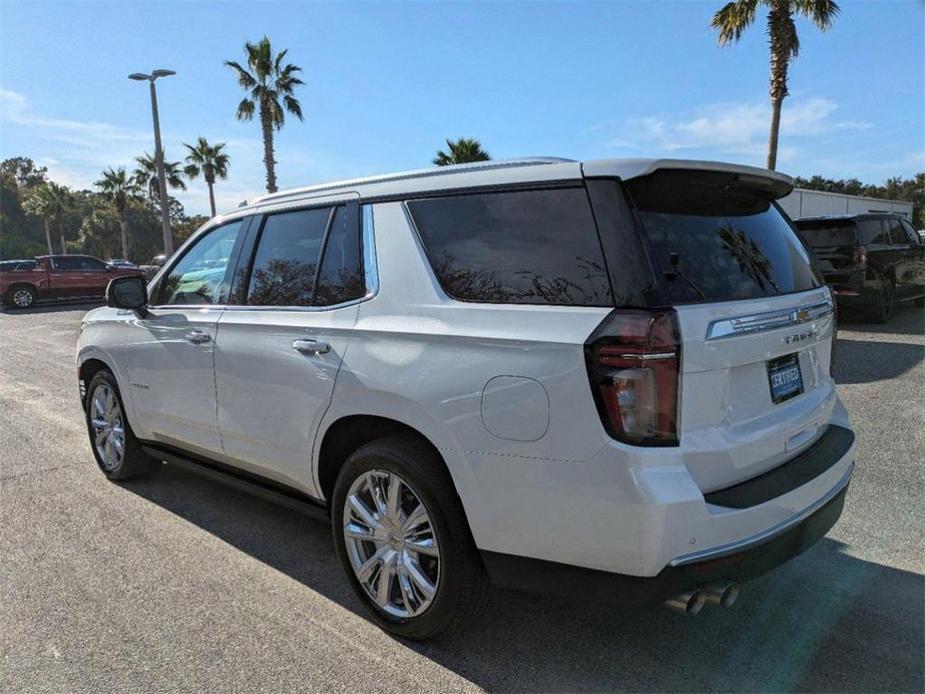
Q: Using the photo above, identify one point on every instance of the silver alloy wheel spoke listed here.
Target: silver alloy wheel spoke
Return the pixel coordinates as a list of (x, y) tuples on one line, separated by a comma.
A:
[(106, 425), (391, 543)]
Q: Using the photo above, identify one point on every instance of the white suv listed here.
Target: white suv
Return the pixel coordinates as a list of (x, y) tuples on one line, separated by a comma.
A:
[(608, 379)]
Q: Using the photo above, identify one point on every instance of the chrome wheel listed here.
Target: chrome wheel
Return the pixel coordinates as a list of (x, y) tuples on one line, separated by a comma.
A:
[(391, 543), (22, 298), (108, 426)]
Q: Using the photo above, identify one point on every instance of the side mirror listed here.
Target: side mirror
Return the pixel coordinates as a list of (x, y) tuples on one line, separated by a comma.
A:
[(109, 268), (128, 292)]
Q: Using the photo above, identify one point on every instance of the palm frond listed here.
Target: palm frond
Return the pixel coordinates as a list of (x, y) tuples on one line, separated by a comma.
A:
[(822, 13), (245, 79), (245, 110), (293, 106), (733, 19)]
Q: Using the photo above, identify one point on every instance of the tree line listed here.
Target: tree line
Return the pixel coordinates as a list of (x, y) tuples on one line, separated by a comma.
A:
[(897, 188)]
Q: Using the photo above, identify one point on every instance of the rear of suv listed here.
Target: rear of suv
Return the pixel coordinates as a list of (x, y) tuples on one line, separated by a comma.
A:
[(608, 378), (871, 261)]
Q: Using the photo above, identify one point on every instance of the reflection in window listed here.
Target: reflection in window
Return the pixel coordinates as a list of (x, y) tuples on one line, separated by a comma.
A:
[(341, 277), (526, 247), (286, 262), (199, 276)]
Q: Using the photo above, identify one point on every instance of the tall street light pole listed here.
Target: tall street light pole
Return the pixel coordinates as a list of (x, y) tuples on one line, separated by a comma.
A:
[(159, 155)]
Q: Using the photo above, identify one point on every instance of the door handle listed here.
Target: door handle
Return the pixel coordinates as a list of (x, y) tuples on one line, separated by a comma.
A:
[(198, 337), (311, 346)]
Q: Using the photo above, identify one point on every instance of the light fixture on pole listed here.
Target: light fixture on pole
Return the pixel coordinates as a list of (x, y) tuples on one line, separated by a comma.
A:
[(159, 155)]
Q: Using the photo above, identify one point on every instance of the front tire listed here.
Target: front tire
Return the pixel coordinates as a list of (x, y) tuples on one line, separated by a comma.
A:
[(403, 540), (117, 451)]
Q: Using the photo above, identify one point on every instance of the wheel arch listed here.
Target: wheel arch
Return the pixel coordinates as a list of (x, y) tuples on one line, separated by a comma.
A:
[(346, 434), (17, 284)]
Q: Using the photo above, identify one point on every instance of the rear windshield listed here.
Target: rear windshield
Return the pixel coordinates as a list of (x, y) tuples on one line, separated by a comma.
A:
[(828, 233), (714, 239)]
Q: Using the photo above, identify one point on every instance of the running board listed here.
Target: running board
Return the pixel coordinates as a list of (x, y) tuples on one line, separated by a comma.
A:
[(250, 484)]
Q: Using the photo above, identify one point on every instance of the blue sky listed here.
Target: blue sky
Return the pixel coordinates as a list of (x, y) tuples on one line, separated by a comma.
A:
[(387, 82)]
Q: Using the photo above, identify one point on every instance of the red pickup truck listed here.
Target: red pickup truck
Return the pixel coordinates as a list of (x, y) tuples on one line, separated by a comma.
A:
[(57, 277)]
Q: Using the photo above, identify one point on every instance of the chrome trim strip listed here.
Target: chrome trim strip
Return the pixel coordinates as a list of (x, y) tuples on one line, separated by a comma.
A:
[(648, 357), (765, 535), (771, 320)]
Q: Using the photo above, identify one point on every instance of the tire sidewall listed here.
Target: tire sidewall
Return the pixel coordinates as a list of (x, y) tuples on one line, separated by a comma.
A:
[(18, 288), (442, 609), (105, 377)]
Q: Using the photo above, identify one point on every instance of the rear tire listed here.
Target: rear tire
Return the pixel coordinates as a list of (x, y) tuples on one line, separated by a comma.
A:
[(117, 451), (883, 303), (426, 592), (21, 296)]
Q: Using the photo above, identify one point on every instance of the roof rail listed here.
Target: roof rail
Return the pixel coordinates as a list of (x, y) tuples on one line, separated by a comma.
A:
[(417, 173)]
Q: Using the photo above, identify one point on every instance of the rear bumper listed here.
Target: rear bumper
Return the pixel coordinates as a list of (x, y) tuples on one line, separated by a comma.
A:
[(740, 562)]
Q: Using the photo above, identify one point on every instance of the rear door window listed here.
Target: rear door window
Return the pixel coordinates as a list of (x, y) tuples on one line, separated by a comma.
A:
[(68, 263), (516, 247), (715, 239), (341, 276), (92, 264)]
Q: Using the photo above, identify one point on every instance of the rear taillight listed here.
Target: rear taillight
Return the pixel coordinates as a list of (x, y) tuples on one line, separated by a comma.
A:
[(860, 257), (633, 361)]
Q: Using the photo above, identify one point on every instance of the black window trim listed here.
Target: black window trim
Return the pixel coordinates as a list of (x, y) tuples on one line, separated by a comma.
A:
[(524, 187), (253, 241), (155, 289)]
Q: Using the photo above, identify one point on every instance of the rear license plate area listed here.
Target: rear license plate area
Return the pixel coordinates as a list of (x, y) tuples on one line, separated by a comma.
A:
[(784, 378)]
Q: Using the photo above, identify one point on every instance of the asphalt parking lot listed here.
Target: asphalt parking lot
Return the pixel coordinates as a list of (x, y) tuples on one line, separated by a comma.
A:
[(179, 584)]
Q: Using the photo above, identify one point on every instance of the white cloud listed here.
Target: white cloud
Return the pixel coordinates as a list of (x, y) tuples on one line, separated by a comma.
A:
[(76, 152), (734, 129)]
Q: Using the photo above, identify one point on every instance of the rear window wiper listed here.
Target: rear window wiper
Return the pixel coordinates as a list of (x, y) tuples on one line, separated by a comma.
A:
[(672, 274)]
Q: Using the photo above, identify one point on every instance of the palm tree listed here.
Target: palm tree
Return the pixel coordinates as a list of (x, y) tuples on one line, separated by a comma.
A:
[(462, 151), (145, 176), (735, 17), (116, 187), (50, 202), (208, 160), (37, 205), (266, 82)]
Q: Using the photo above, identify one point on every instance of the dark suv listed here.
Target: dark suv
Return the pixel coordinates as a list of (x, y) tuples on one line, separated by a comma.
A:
[(870, 260)]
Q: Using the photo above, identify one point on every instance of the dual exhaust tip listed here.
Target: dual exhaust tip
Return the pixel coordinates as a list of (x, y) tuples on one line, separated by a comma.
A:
[(690, 602)]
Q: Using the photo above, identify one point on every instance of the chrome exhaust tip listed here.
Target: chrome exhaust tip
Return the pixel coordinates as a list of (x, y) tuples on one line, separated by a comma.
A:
[(689, 602), (723, 594)]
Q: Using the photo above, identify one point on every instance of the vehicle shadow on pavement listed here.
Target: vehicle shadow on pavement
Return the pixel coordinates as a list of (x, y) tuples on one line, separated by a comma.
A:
[(907, 319), (810, 625), (51, 307), (864, 361)]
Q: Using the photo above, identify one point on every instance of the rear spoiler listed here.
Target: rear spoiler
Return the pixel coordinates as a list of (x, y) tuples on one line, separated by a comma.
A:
[(776, 184)]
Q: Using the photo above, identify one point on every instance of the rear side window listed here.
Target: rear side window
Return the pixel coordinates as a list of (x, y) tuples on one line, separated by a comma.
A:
[(286, 263), (818, 234), (515, 247), (872, 232), (717, 239)]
